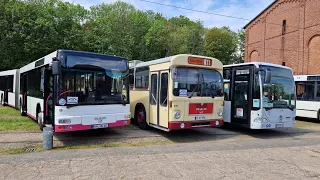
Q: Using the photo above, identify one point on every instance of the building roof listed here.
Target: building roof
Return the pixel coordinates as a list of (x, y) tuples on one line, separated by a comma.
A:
[(260, 14)]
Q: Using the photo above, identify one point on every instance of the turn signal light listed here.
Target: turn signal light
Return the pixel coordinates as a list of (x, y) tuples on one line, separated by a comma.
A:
[(170, 104)]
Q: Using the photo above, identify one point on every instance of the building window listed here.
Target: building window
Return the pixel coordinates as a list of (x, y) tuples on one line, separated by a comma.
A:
[(284, 27)]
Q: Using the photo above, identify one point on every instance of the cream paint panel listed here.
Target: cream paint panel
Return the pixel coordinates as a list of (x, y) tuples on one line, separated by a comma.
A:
[(12, 98), (32, 105), (139, 96), (160, 67)]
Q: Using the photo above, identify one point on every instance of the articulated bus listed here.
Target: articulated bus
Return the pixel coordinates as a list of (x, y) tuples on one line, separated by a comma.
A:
[(72, 91), (178, 92), (259, 95), (308, 96), (9, 87)]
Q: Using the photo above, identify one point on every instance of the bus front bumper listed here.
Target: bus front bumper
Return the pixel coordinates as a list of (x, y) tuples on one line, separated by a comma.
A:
[(80, 127), (272, 125), (180, 125)]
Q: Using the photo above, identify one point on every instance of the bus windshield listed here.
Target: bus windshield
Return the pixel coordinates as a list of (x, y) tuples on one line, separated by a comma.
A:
[(280, 92), (197, 82), (86, 83)]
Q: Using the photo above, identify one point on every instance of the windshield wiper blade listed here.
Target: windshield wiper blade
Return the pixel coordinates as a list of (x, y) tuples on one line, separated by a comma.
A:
[(194, 90)]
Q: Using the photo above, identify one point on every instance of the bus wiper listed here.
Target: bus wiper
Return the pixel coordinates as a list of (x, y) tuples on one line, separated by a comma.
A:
[(194, 90), (72, 105)]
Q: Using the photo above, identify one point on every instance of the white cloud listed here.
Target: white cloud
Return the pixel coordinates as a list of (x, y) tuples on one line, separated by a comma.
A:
[(246, 9)]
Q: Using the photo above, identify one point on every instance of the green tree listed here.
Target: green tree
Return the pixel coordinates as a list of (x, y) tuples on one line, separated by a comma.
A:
[(221, 43)]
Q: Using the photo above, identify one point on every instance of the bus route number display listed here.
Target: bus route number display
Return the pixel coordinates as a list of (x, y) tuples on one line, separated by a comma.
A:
[(200, 61), (242, 72)]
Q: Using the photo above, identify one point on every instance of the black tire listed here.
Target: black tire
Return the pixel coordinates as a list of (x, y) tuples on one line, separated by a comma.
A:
[(22, 113), (39, 120), (2, 101), (140, 118)]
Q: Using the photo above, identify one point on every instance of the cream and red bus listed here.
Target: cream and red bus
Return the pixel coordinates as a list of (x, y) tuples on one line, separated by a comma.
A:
[(178, 92)]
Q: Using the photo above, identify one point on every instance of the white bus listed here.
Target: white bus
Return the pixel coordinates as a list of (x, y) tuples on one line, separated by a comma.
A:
[(308, 96), (72, 90), (9, 87), (259, 95)]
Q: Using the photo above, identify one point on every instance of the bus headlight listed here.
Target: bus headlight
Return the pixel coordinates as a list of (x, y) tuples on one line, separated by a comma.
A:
[(265, 120), (258, 120), (127, 116), (177, 115), (64, 121), (220, 113)]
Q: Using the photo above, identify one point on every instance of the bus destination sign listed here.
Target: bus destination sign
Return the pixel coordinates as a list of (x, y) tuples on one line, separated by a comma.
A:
[(242, 71), (200, 61), (313, 78)]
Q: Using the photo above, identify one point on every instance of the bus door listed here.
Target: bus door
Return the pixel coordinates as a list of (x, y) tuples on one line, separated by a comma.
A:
[(6, 89), (159, 112), (25, 91), (154, 98), (241, 95), (163, 109)]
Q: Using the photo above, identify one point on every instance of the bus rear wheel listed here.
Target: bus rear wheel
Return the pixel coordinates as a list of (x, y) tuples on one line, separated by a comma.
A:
[(22, 113), (40, 120), (141, 119), (2, 100)]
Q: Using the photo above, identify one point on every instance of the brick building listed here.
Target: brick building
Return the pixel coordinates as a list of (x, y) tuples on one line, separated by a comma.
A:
[(287, 32)]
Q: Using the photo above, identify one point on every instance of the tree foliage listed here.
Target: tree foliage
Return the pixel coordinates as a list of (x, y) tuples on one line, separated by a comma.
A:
[(30, 29)]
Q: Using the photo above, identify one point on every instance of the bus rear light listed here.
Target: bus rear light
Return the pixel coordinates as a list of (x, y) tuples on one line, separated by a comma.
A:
[(65, 127)]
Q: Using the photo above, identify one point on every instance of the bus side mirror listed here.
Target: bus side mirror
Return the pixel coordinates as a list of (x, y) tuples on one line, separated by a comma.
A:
[(227, 74), (267, 78), (56, 67)]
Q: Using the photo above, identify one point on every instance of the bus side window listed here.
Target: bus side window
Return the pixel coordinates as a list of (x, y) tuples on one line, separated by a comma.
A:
[(227, 91), (164, 90)]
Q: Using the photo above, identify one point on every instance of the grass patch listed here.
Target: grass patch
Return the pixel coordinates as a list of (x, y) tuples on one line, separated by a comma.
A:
[(18, 124), (306, 124), (116, 144), (10, 120), (105, 145), (8, 111)]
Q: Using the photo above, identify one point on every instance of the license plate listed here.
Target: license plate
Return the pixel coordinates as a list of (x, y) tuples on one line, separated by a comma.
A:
[(199, 118), (99, 126), (279, 125)]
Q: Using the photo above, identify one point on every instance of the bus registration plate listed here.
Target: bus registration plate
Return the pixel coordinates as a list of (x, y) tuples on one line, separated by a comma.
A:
[(199, 118), (99, 126), (279, 125)]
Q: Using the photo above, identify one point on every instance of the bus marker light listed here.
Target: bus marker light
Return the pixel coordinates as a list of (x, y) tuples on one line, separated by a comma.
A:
[(182, 125)]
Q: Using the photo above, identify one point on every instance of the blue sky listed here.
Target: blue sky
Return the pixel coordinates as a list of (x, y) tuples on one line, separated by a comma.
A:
[(246, 9)]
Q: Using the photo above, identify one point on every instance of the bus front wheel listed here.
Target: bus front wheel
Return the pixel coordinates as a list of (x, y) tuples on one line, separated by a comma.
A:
[(141, 119)]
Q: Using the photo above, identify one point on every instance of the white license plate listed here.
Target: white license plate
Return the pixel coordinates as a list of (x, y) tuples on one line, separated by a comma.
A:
[(279, 125), (99, 126), (199, 118)]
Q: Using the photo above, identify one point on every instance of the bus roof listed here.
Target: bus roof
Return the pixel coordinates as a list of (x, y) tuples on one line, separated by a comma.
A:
[(170, 58), (257, 64), (48, 58), (8, 72), (305, 77)]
